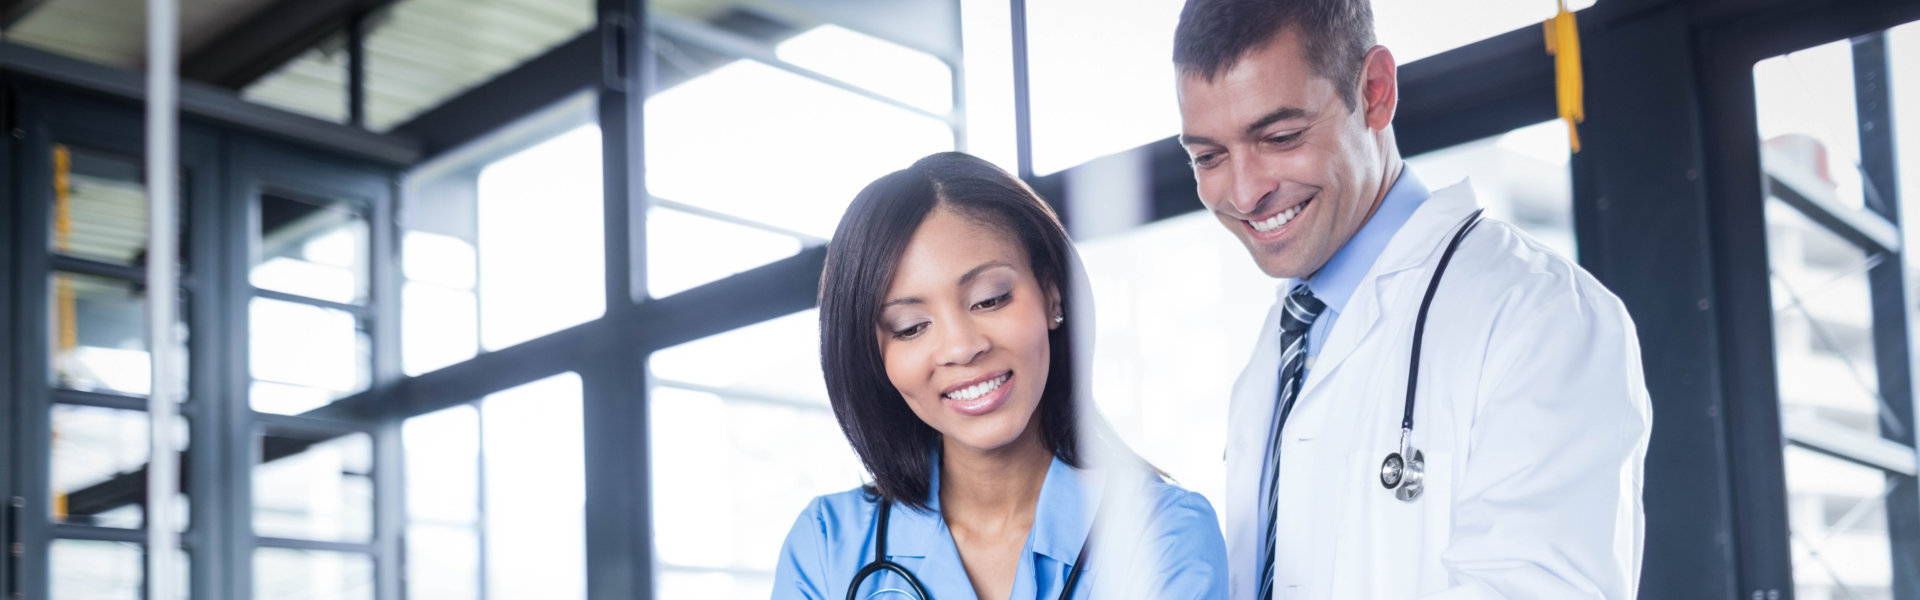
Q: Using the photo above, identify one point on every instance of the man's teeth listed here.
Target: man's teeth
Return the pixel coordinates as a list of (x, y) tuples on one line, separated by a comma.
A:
[(1279, 219), (979, 389)]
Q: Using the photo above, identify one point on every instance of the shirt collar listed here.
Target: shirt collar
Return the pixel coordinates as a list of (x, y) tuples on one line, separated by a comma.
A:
[(1336, 281), (1060, 521)]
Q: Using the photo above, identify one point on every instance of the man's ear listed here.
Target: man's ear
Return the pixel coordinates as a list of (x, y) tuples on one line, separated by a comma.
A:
[(1379, 88)]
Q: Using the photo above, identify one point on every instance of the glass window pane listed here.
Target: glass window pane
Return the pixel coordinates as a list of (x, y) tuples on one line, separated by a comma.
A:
[(305, 356), (535, 490), (764, 441), (892, 70), (99, 336), (685, 250), (288, 574), (313, 488), (98, 472), (1521, 177), (316, 249), (754, 141), (439, 310), (542, 261), (439, 326), (100, 207), (1903, 52), (443, 503), (94, 570), (784, 352), (422, 52), (1822, 324), (1836, 515), (312, 84), (1809, 127)]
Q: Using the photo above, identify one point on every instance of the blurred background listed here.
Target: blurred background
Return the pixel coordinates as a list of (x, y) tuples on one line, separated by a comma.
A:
[(514, 298)]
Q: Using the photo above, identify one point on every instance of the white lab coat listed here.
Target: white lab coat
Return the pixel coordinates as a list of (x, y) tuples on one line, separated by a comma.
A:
[(1532, 412)]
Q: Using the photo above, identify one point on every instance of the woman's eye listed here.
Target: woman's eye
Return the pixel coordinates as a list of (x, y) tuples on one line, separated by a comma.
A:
[(994, 302), (910, 332)]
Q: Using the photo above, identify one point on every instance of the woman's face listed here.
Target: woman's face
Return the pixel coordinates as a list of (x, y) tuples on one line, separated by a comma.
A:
[(963, 331)]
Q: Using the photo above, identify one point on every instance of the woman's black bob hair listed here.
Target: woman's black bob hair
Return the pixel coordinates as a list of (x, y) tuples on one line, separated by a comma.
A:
[(896, 445)]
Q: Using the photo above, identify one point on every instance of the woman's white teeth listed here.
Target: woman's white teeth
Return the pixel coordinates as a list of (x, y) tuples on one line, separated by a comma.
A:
[(1279, 219), (977, 390)]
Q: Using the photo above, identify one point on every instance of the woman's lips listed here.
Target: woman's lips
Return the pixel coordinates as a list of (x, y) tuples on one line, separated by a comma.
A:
[(983, 403)]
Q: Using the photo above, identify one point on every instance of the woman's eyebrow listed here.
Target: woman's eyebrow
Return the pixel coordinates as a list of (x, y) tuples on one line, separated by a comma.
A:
[(982, 269)]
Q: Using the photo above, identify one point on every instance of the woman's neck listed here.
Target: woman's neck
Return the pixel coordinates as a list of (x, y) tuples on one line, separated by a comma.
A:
[(995, 490)]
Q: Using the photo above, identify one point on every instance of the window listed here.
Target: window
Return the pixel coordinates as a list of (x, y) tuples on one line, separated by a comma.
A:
[(738, 452), (497, 494), (1832, 251), (542, 262), (751, 160)]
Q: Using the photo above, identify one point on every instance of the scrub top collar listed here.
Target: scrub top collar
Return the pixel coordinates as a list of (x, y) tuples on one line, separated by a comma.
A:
[(1064, 515), (1336, 281)]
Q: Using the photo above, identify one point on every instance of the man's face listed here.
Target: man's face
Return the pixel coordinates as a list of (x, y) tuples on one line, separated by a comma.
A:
[(1281, 160)]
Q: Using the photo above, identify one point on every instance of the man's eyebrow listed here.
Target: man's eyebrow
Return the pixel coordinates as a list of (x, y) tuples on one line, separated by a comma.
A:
[(1189, 140), (1283, 113)]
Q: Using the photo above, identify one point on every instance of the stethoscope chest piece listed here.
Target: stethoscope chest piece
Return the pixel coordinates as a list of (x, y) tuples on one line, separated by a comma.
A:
[(1405, 472)]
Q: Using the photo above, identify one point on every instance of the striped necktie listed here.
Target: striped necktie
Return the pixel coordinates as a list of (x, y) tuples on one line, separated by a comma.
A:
[(1301, 309)]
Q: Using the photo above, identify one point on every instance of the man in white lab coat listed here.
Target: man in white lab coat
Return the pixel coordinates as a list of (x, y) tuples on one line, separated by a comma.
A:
[(1531, 412)]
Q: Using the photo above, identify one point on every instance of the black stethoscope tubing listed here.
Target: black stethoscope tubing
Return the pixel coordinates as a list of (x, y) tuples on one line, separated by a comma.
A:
[(1404, 472), (880, 562), (1420, 322)]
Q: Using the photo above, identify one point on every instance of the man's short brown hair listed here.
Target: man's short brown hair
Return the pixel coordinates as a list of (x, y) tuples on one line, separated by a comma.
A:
[(1334, 35)]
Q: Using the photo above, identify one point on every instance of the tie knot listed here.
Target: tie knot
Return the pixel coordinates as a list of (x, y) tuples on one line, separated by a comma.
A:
[(1302, 309)]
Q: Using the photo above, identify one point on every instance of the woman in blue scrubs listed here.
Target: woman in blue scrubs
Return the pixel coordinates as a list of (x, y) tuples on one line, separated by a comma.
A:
[(947, 345)]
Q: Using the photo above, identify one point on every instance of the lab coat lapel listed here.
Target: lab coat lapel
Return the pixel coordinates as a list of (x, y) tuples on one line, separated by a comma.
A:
[(1409, 248), (1250, 413)]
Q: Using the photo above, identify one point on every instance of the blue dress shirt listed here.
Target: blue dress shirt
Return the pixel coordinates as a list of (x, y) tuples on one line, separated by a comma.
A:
[(1336, 281), (1180, 545)]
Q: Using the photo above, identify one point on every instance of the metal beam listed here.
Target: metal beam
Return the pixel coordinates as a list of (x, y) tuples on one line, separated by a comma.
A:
[(1802, 190), (221, 107), (546, 80), (12, 12), (270, 38), (1846, 443)]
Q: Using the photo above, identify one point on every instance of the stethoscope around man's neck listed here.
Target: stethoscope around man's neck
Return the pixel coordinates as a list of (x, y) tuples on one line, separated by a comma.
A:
[(881, 563), (1405, 472)]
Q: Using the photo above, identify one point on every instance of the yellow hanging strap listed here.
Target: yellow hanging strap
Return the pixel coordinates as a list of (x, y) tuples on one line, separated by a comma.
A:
[(62, 231), (1563, 42)]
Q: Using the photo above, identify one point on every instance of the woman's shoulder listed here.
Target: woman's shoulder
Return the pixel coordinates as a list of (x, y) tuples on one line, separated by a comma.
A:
[(831, 512), (1172, 502)]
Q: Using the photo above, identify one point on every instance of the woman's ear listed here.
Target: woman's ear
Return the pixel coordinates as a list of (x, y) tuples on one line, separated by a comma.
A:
[(1055, 314)]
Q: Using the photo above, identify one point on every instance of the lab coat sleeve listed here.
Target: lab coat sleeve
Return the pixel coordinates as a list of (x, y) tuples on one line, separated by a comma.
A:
[(1549, 503), (803, 557), (1187, 550)]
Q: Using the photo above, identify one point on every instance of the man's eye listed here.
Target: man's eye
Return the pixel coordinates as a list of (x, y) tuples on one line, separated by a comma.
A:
[(910, 332), (1282, 140), (1204, 161)]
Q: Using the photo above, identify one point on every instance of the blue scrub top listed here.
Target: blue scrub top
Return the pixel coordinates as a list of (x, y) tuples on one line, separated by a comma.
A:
[(1180, 545)]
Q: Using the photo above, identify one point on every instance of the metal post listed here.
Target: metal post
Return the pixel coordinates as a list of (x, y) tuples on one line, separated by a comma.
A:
[(1022, 103), (163, 481), (1887, 285)]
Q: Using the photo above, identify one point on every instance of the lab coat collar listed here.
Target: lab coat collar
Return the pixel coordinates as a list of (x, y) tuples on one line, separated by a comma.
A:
[(1060, 521), (1410, 247), (1335, 283)]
